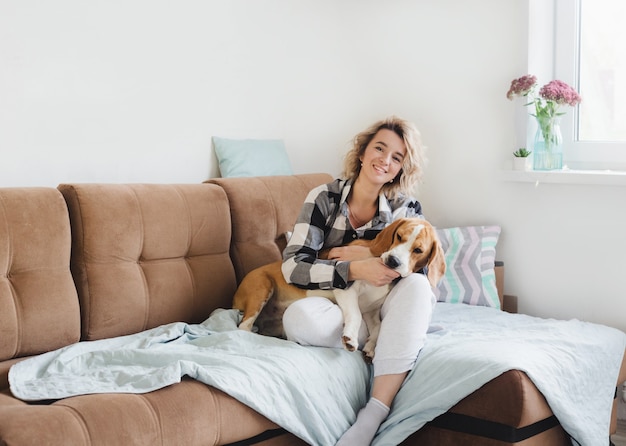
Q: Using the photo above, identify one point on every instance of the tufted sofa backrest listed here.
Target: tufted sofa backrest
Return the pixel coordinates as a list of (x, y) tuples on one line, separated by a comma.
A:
[(262, 210), (148, 254), (38, 303), (93, 261)]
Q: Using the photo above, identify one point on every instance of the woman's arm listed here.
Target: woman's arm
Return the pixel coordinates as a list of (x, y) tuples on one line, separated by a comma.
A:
[(301, 263), (373, 271)]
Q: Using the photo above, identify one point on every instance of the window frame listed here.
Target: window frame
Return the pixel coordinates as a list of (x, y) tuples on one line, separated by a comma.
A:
[(556, 24)]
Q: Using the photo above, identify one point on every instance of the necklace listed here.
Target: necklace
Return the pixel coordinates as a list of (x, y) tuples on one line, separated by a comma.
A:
[(354, 220)]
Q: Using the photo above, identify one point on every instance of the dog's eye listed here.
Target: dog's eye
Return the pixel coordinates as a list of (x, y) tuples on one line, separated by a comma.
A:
[(398, 237), (418, 250)]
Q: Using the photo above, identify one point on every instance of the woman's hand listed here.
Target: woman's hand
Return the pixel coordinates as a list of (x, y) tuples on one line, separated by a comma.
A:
[(373, 271), (349, 253)]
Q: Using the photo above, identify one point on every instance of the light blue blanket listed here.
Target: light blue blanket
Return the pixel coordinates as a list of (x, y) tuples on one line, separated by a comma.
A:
[(316, 392)]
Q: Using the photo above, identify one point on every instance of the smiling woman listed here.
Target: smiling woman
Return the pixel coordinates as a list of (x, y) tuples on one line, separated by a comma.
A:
[(381, 163), (379, 174)]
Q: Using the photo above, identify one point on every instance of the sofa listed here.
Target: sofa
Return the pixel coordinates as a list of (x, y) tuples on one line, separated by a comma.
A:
[(85, 262)]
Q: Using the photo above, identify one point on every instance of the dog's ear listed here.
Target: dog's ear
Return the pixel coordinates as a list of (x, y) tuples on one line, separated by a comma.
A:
[(385, 238), (436, 262)]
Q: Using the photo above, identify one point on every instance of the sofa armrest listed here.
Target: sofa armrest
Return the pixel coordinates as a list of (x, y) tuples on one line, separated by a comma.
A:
[(508, 303), (499, 270)]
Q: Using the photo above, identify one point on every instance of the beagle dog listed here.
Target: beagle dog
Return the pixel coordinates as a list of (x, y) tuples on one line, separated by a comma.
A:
[(406, 246)]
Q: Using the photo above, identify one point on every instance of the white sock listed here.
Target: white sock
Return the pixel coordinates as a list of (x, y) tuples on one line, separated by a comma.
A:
[(369, 418)]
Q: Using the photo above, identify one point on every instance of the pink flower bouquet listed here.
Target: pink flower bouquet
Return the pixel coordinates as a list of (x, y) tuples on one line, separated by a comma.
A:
[(550, 97), (548, 139)]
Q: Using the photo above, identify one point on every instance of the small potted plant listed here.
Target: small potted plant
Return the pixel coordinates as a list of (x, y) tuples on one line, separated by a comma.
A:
[(520, 158)]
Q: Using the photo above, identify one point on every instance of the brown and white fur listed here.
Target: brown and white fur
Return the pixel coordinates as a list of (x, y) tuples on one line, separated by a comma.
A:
[(406, 246)]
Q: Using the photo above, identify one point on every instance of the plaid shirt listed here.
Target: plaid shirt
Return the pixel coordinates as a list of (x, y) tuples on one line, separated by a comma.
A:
[(323, 223)]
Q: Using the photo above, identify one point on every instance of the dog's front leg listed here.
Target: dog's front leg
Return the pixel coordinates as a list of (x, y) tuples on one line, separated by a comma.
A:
[(348, 301), (372, 320)]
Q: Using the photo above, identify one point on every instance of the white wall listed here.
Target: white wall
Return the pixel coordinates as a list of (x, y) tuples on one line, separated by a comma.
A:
[(133, 90)]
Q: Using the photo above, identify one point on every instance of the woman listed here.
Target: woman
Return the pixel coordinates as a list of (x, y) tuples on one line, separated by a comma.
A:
[(379, 173)]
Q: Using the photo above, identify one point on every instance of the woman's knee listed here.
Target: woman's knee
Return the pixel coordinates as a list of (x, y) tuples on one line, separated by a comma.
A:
[(416, 283), (313, 321), (411, 291)]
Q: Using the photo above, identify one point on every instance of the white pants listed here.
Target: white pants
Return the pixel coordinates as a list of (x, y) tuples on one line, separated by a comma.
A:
[(405, 315)]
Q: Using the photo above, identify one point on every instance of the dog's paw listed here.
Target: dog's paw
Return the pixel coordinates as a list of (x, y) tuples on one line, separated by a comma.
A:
[(349, 343), (368, 351), (247, 325)]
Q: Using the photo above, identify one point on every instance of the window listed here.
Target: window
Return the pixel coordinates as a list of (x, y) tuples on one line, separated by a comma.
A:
[(588, 55), (602, 71)]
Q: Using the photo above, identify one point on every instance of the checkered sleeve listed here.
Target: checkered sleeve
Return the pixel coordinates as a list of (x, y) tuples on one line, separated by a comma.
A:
[(301, 265)]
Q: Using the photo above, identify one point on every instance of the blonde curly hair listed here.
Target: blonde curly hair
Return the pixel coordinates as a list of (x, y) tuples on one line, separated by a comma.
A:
[(412, 166)]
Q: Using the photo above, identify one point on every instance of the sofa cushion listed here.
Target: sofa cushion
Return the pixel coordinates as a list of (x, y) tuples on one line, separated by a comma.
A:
[(263, 209), (188, 413), (148, 254), (38, 302)]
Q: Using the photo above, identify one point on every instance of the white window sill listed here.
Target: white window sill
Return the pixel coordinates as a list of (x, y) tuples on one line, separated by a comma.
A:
[(566, 176)]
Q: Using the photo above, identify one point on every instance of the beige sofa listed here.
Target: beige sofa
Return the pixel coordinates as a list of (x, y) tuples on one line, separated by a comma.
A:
[(91, 261)]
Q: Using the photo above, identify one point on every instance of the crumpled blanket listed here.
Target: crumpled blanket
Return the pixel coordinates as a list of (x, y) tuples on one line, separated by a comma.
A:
[(315, 392), (574, 364)]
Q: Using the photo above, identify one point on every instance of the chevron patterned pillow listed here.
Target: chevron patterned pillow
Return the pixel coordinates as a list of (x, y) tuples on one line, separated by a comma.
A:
[(470, 258)]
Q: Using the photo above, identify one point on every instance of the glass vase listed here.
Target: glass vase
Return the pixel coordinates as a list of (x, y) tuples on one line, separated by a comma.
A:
[(548, 146)]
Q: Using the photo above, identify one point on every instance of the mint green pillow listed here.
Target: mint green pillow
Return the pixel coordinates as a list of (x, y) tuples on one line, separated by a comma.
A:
[(251, 157)]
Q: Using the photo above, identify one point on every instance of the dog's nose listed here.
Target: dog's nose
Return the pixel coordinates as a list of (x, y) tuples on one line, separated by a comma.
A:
[(392, 262)]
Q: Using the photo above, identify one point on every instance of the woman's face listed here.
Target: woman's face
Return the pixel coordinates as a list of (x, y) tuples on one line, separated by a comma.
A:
[(383, 157)]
